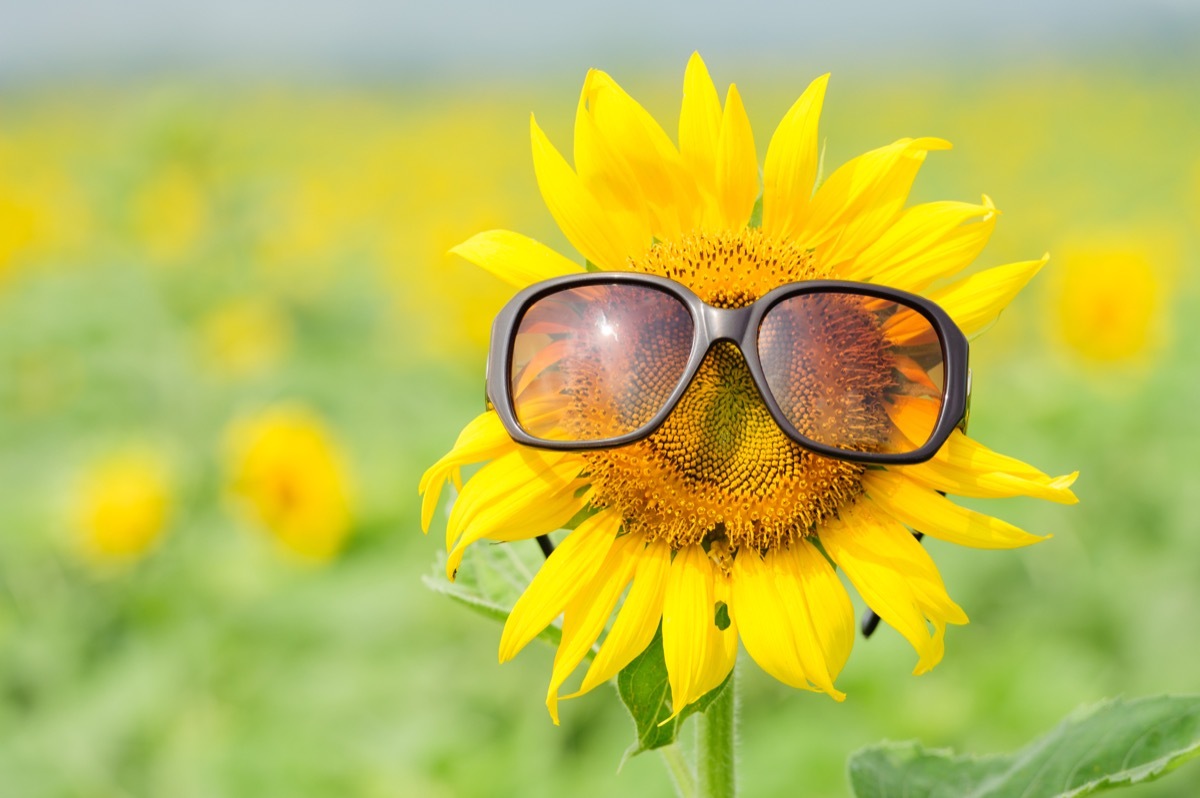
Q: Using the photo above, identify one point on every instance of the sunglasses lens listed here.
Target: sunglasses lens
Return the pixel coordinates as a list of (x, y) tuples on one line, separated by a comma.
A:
[(854, 372), (598, 361)]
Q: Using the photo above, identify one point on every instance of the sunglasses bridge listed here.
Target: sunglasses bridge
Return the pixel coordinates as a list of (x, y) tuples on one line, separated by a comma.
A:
[(726, 324)]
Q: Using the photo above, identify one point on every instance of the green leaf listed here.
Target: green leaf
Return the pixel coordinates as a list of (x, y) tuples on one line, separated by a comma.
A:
[(644, 689), (756, 214), (893, 769), (1113, 744)]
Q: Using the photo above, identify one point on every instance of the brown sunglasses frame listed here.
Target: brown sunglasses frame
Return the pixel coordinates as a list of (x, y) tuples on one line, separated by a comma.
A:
[(738, 326)]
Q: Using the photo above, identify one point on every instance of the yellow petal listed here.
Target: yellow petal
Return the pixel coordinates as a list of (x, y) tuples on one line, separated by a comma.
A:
[(976, 301), (637, 621), (484, 438), (722, 644), (566, 571), (862, 198), (578, 214), (688, 612), (913, 416), (791, 165), (512, 483), (973, 302), (776, 619), (545, 518), (967, 468), (937, 516), (947, 479), (895, 576), (699, 122), (608, 177), (514, 258), (634, 135), (518, 496), (763, 621), (589, 610), (927, 242), (737, 164), (808, 586)]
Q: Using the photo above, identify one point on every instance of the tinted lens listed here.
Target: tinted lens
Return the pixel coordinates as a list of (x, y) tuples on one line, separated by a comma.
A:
[(598, 361), (858, 373)]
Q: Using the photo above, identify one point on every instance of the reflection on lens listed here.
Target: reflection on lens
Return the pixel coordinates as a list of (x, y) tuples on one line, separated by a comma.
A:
[(598, 361), (838, 363)]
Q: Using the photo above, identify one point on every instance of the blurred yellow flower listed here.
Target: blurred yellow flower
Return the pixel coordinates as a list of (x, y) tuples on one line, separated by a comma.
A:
[(122, 506), (291, 478), (42, 217), (310, 227), (1109, 299), (245, 337), (17, 223), (170, 214)]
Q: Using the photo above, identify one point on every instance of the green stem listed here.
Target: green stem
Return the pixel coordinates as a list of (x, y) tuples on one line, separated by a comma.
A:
[(716, 741), (681, 774)]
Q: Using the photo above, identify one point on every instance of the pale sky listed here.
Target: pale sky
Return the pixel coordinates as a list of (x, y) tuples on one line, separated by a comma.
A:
[(57, 38)]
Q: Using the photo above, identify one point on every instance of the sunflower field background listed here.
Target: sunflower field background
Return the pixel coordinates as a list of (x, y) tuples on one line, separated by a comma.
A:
[(231, 340)]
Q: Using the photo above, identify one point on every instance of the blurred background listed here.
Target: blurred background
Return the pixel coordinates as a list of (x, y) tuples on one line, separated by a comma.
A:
[(231, 341)]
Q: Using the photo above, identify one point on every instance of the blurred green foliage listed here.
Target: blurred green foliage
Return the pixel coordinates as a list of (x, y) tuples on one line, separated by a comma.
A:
[(138, 223)]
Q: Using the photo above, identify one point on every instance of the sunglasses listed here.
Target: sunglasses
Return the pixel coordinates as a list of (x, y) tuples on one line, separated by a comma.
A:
[(848, 370)]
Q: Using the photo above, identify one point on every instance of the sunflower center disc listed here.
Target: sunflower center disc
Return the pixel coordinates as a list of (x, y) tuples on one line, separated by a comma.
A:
[(719, 470)]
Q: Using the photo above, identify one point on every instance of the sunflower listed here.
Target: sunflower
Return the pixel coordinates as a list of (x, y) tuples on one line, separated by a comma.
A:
[(717, 526)]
